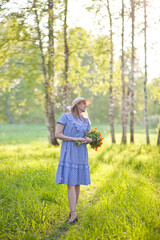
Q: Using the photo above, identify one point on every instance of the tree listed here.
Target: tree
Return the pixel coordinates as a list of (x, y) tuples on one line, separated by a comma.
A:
[(79, 43), (21, 88), (132, 74), (111, 96), (66, 58), (158, 139), (48, 71), (145, 78), (98, 6), (124, 103)]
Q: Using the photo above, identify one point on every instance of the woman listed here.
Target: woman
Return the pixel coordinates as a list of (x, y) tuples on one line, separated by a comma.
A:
[(73, 168)]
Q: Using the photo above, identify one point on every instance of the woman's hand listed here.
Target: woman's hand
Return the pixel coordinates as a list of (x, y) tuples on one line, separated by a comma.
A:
[(87, 140), (80, 139)]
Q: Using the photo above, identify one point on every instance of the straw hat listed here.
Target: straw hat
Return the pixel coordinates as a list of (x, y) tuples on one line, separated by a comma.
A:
[(77, 100)]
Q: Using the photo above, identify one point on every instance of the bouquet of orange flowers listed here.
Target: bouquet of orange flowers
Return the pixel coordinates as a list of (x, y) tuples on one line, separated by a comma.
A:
[(97, 139)]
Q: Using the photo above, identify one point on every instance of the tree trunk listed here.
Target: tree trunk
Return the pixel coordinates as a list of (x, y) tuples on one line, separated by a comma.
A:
[(158, 139), (111, 97), (48, 76), (145, 80), (66, 55), (19, 114), (124, 107), (40, 43), (132, 74), (11, 120), (50, 118)]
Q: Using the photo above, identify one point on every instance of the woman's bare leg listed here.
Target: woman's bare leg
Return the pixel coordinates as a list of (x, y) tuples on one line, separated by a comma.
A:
[(72, 201), (77, 187)]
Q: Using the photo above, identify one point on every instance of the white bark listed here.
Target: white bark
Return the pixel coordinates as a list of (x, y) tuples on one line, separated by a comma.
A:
[(111, 97), (124, 100), (66, 56), (48, 72), (132, 74), (145, 79)]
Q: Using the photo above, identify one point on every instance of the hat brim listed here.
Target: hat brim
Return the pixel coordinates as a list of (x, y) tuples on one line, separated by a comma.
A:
[(88, 102)]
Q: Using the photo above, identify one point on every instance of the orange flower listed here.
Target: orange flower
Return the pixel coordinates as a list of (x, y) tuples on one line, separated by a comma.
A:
[(97, 137)]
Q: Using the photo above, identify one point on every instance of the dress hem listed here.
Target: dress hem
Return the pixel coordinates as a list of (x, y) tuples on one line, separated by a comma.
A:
[(74, 184)]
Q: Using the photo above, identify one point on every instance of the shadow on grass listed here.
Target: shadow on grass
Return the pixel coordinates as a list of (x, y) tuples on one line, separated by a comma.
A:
[(63, 228)]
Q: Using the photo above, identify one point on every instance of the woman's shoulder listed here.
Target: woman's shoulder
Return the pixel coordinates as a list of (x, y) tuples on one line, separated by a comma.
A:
[(67, 116), (64, 118)]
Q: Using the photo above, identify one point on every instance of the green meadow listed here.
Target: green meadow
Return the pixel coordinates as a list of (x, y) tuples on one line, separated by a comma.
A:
[(123, 201)]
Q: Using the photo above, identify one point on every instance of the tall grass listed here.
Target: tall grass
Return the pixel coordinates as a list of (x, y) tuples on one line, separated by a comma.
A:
[(123, 201)]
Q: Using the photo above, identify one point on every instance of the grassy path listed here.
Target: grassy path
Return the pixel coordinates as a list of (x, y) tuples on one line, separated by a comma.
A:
[(123, 201)]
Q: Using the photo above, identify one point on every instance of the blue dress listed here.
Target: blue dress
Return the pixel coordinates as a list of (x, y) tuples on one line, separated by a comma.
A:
[(73, 168)]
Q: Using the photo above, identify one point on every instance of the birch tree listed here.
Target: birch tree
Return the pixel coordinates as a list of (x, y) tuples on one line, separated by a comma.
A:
[(124, 107), (48, 71), (126, 89), (66, 59), (111, 95), (132, 111), (97, 6), (145, 78)]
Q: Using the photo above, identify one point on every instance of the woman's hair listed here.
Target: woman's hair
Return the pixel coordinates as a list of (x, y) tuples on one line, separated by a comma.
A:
[(75, 112)]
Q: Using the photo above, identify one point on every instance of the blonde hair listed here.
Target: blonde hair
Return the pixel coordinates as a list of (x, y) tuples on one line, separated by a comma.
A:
[(75, 112)]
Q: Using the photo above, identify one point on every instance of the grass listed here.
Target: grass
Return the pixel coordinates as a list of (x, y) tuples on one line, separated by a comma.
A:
[(22, 133), (123, 201)]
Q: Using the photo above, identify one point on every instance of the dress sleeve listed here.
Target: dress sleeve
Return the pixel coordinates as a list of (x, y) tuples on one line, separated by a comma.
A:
[(63, 119)]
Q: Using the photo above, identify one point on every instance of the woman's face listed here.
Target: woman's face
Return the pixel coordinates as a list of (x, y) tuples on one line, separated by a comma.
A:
[(82, 106)]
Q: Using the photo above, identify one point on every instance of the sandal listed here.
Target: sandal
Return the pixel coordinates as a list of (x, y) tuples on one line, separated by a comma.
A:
[(74, 221)]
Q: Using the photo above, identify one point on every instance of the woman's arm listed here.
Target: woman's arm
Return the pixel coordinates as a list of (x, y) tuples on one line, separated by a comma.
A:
[(59, 134)]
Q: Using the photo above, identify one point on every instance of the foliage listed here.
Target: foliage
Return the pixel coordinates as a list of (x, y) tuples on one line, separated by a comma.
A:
[(21, 80), (153, 104), (20, 73), (156, 89)]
